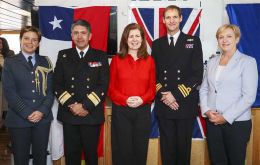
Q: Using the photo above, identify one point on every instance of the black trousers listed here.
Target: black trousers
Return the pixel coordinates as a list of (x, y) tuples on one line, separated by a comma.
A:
[(23, 139), (130, 134), (175, 140), (227, 143), (78, 137)]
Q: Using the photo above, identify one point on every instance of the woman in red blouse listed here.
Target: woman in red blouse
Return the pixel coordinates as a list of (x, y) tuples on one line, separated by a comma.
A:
[(132, 90)]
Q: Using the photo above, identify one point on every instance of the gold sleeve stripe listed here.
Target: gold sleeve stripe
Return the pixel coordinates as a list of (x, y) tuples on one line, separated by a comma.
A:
[(96, 96), (64, 98), (187, 89), (183, 92), (93, 99), (62, 94), (158, 87)]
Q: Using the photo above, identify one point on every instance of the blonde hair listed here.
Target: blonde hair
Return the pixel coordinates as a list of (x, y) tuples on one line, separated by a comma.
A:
[(235, 29)]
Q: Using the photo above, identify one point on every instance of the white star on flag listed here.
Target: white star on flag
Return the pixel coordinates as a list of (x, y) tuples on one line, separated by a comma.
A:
[(56, 23)]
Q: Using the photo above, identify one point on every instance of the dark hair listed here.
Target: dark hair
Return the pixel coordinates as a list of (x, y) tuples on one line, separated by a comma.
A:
[(81, 22), (172, 7), (31, 29), (142, 51), (5, 51)]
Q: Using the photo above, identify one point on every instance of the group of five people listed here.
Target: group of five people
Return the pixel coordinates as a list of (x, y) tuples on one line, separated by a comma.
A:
[(170, 76)]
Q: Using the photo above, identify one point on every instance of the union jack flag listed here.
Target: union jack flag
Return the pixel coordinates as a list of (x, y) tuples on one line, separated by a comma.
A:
[(151, 21)]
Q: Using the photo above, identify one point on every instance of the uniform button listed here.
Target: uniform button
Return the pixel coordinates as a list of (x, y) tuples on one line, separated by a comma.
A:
[(165, 71), (178, 71), (33, 91), (72, 78), (56, 92), (178, 78), (32, 81), (87, 86), (33, 100), (165, 85), (88, 79), (102, 94), (31, 72), (72, 94), (72, 86), (165, 78), (216, 91)]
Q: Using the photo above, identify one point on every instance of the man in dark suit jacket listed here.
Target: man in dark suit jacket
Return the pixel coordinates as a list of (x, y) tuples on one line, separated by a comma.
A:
[(81, 78), (179, 67)]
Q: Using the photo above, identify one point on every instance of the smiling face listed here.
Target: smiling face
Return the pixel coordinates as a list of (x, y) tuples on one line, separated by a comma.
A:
[(134, 40), (81, 36), (172, 21), (227, 40), (29, 42)]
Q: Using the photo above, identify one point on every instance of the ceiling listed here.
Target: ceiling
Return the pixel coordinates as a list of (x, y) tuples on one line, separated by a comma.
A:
[(14, 14)]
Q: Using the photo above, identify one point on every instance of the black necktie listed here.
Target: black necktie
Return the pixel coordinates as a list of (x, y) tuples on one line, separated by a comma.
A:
[(172, 42), (81, 54), (30, 61)]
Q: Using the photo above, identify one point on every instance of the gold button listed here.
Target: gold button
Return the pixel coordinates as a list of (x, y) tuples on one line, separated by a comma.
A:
[(178, 78), (165, 71), (165, 85), (32, 81), (88, 79), (33, 91), (178, 71), (102, 94), (72, 78), (72, 86), (33, 100), (87, 86), (165, 78), (72, 94)]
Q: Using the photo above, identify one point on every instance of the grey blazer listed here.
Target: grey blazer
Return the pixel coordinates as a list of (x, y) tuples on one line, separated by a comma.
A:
[(236, 91)]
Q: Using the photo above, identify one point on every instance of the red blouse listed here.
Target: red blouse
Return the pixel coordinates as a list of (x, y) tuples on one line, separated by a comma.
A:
[(131, 78)]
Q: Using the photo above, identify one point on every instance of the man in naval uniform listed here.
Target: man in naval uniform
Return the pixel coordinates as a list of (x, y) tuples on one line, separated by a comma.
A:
[(179, 67), (81, 78)]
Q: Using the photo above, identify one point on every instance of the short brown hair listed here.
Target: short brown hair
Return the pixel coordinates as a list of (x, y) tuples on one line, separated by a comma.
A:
[(234, 28), (31, 29), (172, 7), (142, 51)]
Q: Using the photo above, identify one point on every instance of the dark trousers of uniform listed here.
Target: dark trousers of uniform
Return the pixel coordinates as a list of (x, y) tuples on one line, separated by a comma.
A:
[(78, 137), (30, 138), (130, 134), (227, 143), (175, 140)]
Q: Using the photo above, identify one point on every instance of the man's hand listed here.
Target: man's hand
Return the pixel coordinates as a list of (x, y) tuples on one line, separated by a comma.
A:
[(78, 110), (169, 100)]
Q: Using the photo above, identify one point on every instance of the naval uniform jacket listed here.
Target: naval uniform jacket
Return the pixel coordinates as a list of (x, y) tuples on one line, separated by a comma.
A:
[(179, 69), (27, 89), (81, 80)]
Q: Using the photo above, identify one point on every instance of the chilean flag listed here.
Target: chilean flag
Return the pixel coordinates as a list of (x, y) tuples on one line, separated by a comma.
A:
[(151, 21), (55, 25)]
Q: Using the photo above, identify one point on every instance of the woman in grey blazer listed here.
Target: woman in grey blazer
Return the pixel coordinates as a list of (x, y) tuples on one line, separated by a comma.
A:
[(27, 79), (227, 93)]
